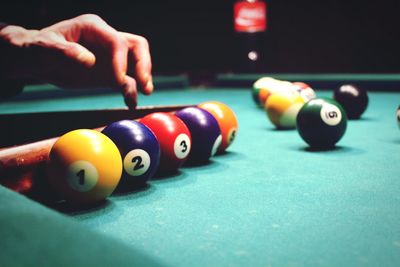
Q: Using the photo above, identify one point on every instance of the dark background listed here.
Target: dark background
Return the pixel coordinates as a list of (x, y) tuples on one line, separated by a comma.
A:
[(198, 37)]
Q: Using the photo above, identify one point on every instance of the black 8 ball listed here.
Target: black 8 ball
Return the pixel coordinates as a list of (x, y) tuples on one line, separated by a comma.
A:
[(353, 99)]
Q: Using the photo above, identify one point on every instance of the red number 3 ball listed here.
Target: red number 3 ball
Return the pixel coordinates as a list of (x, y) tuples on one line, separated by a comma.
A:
[(174, 138)]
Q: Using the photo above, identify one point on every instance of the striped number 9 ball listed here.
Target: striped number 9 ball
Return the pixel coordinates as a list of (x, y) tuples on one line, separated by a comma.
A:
[(282, 109), (226, 119), (84, 166), (139, 149), (321, 122), (174, 138)]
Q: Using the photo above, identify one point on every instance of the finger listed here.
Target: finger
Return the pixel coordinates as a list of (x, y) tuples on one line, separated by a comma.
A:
[(139, 48), (119, 56), (129, 92), (98, 30), (92, 30), (52, 47), (79, 54), (146, 80)]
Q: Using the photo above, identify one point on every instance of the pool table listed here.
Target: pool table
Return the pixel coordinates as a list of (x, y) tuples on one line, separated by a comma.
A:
[(269, 200)]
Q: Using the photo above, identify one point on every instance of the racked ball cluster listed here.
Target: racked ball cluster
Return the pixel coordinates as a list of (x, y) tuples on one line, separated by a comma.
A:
[(281, 100), (266, 86), (86, 166)]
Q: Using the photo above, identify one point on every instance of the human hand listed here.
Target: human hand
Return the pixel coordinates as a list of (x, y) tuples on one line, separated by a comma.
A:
[(80, 52)]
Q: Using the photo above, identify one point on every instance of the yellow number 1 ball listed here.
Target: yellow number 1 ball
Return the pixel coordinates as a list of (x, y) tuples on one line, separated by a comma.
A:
[(84, 166)]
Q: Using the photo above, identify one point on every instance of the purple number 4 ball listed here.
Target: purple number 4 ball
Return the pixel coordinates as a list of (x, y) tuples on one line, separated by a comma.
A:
[(205, 131)]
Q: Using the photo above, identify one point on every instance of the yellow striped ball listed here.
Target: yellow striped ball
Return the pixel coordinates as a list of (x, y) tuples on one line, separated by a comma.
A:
[(282, 109)]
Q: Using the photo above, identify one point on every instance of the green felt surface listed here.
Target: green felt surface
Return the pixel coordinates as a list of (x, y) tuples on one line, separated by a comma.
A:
[(269, 201), (33, 235)]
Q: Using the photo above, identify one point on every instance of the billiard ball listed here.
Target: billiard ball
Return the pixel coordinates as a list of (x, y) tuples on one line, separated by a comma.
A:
[(305, 90), (277, 87), (84, 166), (353, 99), (321, 122), (226, 119), (174, 138), (261, 89), (398, 116), (205, 132), (264, 82), (263, 95), (139, 149), (282, 109), (254, 94)]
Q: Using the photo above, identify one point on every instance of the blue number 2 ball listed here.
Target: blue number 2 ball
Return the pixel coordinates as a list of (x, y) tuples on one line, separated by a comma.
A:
[(139, 148)]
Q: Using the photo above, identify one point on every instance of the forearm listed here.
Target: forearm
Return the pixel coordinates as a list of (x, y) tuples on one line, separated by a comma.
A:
[(12, 52), (11, 77)]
